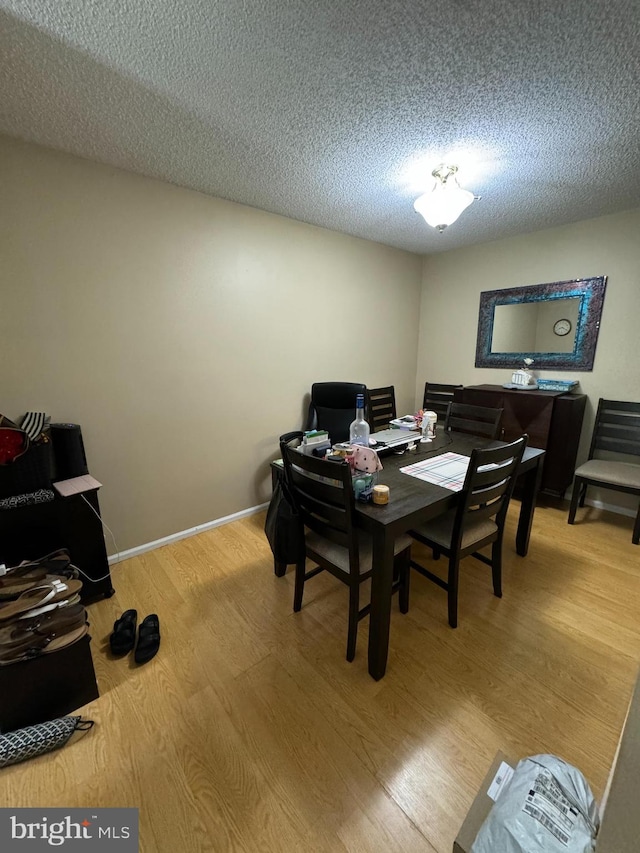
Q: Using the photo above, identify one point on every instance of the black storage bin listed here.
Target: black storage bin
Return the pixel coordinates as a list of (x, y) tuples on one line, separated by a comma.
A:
[(29, 472), (69, 458), (46, 687)]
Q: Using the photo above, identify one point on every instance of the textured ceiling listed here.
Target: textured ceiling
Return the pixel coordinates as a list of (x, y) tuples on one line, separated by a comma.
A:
[(335, 112)]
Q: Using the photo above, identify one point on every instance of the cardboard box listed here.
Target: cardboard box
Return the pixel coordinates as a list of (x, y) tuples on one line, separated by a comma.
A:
[(492, 784)]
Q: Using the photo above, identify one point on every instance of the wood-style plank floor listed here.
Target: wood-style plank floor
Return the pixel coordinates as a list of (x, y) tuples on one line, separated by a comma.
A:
[(250, 732)]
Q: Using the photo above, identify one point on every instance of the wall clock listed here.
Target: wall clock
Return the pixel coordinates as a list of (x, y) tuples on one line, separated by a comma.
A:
[(562, 327)]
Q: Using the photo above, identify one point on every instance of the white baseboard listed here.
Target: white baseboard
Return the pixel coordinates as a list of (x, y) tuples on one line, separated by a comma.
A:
[(209, 525), (620, 510), (184, 534)]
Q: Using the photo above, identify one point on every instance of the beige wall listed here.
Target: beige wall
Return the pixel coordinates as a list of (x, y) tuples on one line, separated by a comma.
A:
[(453, 281), (182, 331)]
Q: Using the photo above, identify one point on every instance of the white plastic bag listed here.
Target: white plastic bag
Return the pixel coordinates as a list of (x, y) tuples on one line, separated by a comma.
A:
[(547, 807)]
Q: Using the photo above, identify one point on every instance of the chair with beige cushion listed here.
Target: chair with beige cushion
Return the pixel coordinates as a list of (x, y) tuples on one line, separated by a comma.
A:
[(323, 492), (616, 430), (478, 519)]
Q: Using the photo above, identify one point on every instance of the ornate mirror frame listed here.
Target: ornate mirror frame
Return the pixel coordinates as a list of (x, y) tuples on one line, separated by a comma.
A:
[(591, 292)]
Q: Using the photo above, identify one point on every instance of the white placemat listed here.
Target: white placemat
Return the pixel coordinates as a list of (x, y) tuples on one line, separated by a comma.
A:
[(447, 470)]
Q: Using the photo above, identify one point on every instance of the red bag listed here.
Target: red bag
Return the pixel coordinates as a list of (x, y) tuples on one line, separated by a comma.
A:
[(14, 442)]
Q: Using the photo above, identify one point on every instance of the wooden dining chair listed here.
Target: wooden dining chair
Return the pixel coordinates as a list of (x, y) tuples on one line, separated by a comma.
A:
[(333, 407), (437, 397), (475, 420), (477, 521), (381, 407), (323, 493), (617, 430)]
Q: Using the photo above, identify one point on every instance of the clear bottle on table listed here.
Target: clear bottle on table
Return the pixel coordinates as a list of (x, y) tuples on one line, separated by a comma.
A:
[(359, 429)]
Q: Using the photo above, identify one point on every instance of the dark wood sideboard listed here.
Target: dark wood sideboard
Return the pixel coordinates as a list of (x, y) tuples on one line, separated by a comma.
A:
[(552, 420)]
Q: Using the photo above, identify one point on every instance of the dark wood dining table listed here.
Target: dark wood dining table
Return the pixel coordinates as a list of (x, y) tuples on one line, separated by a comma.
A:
[(413, 501)]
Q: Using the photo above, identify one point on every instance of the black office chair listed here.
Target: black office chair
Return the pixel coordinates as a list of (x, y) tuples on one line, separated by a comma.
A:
[(381, 407), (323, 492), (475, 420), (437, 397), (617, 429), (333, 407), (477, 521)]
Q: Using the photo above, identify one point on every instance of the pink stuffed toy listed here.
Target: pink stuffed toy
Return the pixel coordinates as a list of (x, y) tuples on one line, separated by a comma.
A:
[(365, 459)]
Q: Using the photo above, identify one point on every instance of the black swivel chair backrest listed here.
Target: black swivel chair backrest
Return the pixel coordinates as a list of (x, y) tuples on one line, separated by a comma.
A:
[(333, 407)]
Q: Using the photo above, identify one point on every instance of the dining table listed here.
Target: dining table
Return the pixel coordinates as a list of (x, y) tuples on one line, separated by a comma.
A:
[(412, 502)]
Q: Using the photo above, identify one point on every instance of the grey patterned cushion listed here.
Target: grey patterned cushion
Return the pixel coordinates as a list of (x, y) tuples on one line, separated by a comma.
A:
[(36, 740)]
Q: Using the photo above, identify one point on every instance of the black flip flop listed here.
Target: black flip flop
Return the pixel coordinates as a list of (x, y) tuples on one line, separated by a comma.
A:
[(123, 638), (148, 638)]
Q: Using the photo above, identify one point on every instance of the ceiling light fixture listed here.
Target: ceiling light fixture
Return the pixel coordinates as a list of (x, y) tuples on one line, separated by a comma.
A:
[(446, 201)]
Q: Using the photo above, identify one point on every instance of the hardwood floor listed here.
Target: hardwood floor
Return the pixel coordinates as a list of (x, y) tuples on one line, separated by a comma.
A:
[(250, 732)]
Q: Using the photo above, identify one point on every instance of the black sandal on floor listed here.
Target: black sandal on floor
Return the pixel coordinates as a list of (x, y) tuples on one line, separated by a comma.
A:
[(148, 639), (123, 638)]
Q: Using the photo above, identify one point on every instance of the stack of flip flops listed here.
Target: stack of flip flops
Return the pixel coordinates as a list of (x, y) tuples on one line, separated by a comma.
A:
[(40, 609)]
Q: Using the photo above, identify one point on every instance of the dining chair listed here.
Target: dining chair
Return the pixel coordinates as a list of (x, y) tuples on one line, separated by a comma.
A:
[(477, 521), (617, 430), (323, 493), (437, 397), (475, 420), (381, 407), (333, 407)]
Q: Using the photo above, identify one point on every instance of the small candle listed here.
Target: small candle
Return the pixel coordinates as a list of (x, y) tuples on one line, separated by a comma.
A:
[(381, 495)]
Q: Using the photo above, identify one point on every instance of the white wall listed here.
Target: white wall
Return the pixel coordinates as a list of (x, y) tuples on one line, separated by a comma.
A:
[(182, 331)]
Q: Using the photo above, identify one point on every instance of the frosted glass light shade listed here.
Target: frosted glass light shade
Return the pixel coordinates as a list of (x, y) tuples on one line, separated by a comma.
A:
[(444, 204)]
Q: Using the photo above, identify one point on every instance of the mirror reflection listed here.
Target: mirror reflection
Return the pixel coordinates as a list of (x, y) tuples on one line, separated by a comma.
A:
[(555, 323), (536, 327)]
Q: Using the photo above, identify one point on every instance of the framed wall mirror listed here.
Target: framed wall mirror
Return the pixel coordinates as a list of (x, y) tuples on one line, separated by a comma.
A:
[(555, 324)]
